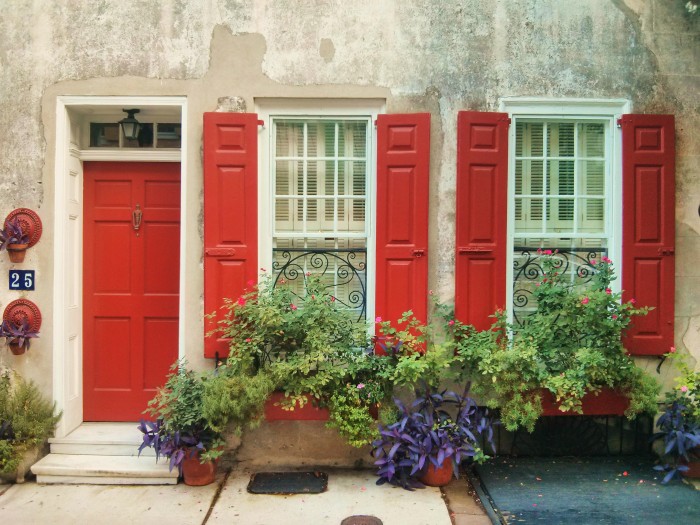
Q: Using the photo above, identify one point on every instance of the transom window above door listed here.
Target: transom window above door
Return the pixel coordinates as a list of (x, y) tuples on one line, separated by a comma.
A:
[(320, 182)]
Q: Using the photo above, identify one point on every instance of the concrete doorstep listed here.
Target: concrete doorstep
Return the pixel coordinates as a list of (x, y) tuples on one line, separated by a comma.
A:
[(350, 492)]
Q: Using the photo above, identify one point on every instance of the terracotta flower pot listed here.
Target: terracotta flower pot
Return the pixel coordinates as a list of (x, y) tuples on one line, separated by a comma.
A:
[(197, 474), (693, 465), (17, 252), (437, 477), (16, 349)]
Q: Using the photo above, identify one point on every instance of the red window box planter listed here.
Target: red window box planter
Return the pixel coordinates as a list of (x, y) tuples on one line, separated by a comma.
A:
[(608, 402), (309, 412)]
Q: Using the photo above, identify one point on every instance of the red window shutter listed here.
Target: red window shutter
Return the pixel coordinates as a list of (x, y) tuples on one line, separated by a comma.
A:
[(403, 171), (230, 213), (648, 229), (481, 217)]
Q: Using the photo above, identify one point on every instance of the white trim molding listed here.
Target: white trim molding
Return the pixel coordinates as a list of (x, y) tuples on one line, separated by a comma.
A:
[(68, 241)]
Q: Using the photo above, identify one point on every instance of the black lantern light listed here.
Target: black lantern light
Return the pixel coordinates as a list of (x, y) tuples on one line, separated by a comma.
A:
[(130, 126)]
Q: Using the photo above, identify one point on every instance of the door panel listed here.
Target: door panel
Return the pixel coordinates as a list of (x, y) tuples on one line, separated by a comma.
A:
[(130, 285)]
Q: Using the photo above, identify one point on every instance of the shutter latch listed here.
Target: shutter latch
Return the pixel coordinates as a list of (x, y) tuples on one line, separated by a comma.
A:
[(473, 250)]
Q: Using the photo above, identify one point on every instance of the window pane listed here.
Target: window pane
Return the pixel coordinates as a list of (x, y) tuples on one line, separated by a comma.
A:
[(561, 139), (285, 175), (169, 135), (592, 137), (104, 135), (593, 177)]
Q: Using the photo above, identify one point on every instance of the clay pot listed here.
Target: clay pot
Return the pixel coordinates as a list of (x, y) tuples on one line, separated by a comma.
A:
[(16, 349), (438, 477), (17, 252), (693, 465), (196, 474)]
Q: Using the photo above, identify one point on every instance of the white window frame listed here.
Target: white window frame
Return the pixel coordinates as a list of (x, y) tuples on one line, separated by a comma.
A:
[(270, 108), (607, 110)]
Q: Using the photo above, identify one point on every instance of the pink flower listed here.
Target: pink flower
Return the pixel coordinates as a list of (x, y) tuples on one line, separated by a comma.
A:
[(593, 262), (605, 259), (632, 301), (377, 319), (251, 282), (293, 307), (241, 301), (247, 340), (608, 291), (332, 299), (684, 389), (614, 316), (451, 322), (537, 284), (282, 281), (548, 252), (430, 292), (539, 251), (360, 385), (584, 300), (673, 349), (313, 297)]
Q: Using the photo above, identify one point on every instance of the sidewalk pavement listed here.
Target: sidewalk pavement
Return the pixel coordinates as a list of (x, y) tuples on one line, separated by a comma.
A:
[(350, 492)]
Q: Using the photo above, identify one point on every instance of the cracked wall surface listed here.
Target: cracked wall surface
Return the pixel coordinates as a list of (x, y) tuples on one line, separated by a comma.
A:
[(439, 57)]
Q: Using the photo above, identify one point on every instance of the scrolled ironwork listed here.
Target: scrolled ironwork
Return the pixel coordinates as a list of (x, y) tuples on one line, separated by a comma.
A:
[(527, 271), (345, 269)]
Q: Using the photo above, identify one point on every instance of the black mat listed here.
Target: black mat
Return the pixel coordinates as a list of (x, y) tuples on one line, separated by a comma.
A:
[(288, 483), (583, 491)]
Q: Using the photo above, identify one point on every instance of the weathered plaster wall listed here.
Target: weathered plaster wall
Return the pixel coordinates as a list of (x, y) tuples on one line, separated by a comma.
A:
[(420, 56)]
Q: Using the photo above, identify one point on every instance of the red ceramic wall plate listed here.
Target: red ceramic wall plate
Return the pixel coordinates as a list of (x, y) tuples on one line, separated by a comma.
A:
[(21, 310), (30, 221)]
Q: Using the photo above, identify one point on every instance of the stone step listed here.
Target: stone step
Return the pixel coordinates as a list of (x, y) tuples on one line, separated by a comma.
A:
[(101, 439), (103, 470)]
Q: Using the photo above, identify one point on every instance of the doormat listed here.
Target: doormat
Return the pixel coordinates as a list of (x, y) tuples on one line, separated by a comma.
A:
[(618, 490), (288, 483), (361, 520)]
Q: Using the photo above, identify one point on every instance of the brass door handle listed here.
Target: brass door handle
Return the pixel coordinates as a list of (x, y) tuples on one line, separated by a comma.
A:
[(136, 218)]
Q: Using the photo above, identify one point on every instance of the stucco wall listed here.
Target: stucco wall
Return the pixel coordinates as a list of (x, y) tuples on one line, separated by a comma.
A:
[(420, 56)]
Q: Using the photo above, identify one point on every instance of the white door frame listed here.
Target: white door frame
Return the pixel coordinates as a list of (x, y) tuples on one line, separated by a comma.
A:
[(68, 241)]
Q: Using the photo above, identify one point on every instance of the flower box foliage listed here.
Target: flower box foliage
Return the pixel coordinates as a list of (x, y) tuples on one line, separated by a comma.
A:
[(570, 346)]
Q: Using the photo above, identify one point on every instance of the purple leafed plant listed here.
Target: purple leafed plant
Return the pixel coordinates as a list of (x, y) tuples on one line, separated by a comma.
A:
[(681, 435), (436, 426), (19, 334), (12, 233), (173, 445)]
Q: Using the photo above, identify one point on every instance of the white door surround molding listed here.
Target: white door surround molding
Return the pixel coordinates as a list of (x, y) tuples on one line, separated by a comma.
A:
[(68, 235)]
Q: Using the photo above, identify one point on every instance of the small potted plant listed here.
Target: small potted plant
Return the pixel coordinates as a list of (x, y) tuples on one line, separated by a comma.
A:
[(179, 431), (681, 435), (429, 439), (679, 425), (27, 419), (14, 240), (18, 337)]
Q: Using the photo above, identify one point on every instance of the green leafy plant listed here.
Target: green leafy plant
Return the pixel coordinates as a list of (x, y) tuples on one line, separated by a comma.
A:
[(27, 419), (571, 345), (308, 346), (179, 428)]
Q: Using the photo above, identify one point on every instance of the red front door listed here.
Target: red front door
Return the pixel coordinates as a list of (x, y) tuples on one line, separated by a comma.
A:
[(130, 285)]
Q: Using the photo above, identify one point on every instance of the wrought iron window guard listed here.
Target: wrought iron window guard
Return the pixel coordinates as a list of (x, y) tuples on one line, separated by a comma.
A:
[(345, 269), (576, 262)]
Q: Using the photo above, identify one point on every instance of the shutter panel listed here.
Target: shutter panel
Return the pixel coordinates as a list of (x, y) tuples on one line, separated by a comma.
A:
[(481, 215), (403, 170), (648, 229), (230, 213)]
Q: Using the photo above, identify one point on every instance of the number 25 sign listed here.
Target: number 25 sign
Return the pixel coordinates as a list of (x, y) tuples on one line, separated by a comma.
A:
[(21, 279)]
